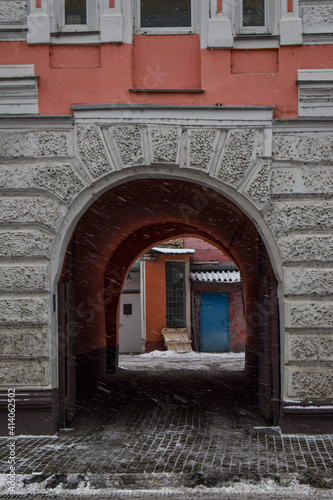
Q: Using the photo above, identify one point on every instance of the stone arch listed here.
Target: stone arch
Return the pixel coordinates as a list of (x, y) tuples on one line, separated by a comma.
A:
[(228, 150), (224, 151), (91, 193), (56, 167), (129, 218)]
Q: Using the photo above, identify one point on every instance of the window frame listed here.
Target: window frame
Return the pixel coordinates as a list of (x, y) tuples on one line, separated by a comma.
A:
[(267, 29), (163, 30), (92, 14), (170, 318)]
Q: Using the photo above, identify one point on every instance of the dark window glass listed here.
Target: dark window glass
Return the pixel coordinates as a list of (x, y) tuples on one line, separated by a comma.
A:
[(175, 294), (165, 13), (127, 309), (253, 12), (75, 12)]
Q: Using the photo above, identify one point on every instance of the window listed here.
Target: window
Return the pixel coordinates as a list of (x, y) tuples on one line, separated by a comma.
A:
[(75, 12), (127, 310), (253, 12), (256, 17), (75, 16), (175, 294), (165, 16)]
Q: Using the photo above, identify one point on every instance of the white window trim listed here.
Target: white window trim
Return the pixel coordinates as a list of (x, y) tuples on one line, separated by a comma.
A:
[(92, 18), (187, 294), (267, 29), (105, 24), (167, 30)]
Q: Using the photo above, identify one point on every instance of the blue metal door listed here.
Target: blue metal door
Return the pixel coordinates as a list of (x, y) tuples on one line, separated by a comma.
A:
[(214, 322)]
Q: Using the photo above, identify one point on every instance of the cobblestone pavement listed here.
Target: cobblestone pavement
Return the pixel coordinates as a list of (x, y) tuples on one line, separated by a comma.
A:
[(173, 424)]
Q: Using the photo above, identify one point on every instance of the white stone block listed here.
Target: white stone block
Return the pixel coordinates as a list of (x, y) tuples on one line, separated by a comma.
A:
[(13, 12), (26, 277), (25, 243), (32, 309), (59, 179), (18, 90), (25, 373), (310, 383), (24, 342), (302, 180), (39, 210), (309, 314), (317, 248), (291, 31), (112, 28), (220, 33), (309, 347), (301, 215), (308, 281), (39, 28)]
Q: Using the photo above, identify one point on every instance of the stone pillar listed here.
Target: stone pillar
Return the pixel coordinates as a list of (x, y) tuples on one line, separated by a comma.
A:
[(38, 180), (301, 219)]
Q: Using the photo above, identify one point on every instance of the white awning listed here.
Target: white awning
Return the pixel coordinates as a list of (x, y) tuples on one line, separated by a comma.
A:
[(217, 276), (173, 251)]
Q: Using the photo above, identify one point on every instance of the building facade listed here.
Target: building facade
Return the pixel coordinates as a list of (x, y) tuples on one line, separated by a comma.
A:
[(124, 125)]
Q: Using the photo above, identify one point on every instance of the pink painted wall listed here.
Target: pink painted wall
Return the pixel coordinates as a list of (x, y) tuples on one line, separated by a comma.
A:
[(204, 251), (100, 74)]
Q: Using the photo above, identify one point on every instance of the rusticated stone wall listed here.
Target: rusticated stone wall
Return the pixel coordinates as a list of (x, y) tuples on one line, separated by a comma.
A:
[(13, 11), (37, 183), (317, 15), (300, 216), (46, 166)]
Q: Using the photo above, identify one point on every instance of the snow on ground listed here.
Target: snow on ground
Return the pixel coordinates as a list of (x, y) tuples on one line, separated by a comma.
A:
[(267, 488), (198, 361)]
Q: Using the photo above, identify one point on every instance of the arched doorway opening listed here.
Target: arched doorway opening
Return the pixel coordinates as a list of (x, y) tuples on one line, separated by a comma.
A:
[(122, 224), (189, 284)]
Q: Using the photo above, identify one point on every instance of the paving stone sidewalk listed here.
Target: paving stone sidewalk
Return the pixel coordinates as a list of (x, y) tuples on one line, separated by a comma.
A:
[(176, 424)]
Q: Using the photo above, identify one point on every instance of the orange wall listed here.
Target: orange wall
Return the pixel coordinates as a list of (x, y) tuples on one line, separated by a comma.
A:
[(102, 74), (156, 299), (166, 62)]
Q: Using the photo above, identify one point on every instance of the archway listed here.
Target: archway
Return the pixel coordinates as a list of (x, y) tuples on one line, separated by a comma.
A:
[(123, 223)]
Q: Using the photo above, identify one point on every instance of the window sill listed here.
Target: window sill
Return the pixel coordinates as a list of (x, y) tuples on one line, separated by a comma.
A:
[(256, 36), (170, 91), (74, 33), (165, 31), (75, 38), (256, 41)]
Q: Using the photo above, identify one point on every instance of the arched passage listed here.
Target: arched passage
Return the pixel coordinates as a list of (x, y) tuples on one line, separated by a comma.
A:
[(122, 224)]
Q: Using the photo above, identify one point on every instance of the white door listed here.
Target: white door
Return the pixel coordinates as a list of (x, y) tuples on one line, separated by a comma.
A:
[(130, 337)]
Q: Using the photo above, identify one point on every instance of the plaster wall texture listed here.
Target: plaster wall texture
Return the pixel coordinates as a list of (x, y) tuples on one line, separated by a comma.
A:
[(301, 220), (13, 11), (45, 173), (317, 17)]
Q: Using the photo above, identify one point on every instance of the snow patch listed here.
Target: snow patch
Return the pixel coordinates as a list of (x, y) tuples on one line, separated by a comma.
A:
[(193, 361)]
